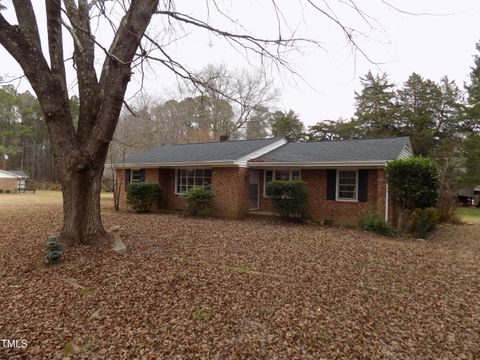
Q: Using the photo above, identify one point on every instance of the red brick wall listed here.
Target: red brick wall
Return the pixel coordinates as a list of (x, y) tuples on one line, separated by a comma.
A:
[(8, 184), (341, 212), (170, 200), (151, 176), (230, 185)]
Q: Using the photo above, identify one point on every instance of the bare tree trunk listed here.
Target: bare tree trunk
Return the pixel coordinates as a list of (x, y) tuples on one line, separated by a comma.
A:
[(82, 222)]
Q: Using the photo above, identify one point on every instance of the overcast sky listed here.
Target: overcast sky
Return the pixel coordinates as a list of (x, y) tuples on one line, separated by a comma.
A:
[(434, 45)]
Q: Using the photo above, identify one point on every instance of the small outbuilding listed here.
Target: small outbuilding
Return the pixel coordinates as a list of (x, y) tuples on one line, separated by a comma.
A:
[(13, 180)]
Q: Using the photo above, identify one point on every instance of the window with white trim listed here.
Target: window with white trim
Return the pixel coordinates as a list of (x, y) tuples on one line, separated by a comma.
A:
[(136, 175), (188, 178), (347, 185), (279, 175)]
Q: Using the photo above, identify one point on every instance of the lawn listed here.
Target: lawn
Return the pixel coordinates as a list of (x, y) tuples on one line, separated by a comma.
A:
[(227, 289), (471, 215), (21, 202)]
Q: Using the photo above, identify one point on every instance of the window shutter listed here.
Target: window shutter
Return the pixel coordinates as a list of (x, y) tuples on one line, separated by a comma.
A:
[(127, 178), (331, 184), (362, 185), (142, 175)]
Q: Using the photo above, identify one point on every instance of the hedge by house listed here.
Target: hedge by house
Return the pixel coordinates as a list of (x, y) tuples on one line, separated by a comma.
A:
[(413, 183), (199, 201), (143, 196), (289, 199)]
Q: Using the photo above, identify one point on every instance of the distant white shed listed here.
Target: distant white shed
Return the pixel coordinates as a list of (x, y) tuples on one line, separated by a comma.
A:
[(13, 180)]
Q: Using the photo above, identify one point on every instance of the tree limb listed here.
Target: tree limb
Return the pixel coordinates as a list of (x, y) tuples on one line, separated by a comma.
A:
[(55, 43), (84, 57), (116, 74), (27, 21)]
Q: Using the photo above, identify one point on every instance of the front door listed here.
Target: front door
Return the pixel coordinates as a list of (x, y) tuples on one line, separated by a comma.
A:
[(253, 180)]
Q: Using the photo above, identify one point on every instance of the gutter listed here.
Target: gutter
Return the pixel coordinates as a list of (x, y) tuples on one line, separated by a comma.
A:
[(386, 202), (215, 163), (317, 164)]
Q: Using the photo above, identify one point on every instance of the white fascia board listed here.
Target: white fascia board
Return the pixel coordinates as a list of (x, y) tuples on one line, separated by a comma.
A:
[(222, 163), (318, 164), (406, 152), (243, 161)]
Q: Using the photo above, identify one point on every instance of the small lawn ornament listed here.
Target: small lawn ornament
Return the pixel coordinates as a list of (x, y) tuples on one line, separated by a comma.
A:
[(53, 251), (118, 246)]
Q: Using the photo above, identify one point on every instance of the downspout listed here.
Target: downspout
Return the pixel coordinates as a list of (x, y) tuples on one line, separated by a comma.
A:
[(386, 202)]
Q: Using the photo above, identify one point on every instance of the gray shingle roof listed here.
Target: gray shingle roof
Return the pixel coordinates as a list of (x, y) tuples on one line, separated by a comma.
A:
[(338, 151), (192, 153)]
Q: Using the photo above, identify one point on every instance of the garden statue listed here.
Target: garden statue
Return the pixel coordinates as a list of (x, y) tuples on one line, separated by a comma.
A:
[(53, 251), (118, 246)]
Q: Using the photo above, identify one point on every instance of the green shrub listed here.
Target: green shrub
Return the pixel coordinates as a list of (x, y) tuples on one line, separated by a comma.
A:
[(1, 191), (413, 182), (143, 196), (7, 191), (424, 221), (375, 224), (289, 199), (199, 201)]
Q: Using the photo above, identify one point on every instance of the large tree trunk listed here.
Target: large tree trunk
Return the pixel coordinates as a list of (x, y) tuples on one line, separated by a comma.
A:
[(79, 150), (82, 222)]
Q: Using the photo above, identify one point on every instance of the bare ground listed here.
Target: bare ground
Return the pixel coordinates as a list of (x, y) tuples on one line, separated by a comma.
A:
[(222, 289)]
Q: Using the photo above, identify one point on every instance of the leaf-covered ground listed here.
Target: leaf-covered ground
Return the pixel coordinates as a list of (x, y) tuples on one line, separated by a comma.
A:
[(225, 289)]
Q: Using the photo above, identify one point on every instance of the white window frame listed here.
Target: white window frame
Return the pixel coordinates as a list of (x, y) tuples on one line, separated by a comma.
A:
[(337, 188), (176, 178), (131, 175), (273, 177)]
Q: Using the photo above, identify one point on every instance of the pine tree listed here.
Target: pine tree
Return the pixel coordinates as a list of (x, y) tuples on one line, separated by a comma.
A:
[(451, 113), (287, 125), (473, 90), (419, 103), (375, 107), (257, 125)]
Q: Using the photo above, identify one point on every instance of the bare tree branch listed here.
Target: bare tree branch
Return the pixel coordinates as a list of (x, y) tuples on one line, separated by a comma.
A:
[(55, 43), (27, 21)]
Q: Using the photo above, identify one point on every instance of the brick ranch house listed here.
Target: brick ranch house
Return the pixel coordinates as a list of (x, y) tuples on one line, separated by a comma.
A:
[(345, 179)]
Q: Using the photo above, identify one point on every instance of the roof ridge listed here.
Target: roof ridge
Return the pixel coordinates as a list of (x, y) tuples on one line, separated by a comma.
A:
[(345, 140), (220, 142)]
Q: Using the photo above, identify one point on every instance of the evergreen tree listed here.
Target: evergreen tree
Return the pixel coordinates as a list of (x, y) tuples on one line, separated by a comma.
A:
[(419, 103), (334, 130), (450, 118), (257, 125), (471, 177), (287, 125), (473, 90), (375, 107)]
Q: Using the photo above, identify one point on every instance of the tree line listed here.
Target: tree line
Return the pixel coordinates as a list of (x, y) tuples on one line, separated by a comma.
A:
[(441, 118), (24, 141)]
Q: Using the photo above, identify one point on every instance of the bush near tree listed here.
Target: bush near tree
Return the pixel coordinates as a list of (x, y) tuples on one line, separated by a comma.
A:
[(289, 199), (423, 221), (199, 201), (413, 184), (375, 224), (143, 196)]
